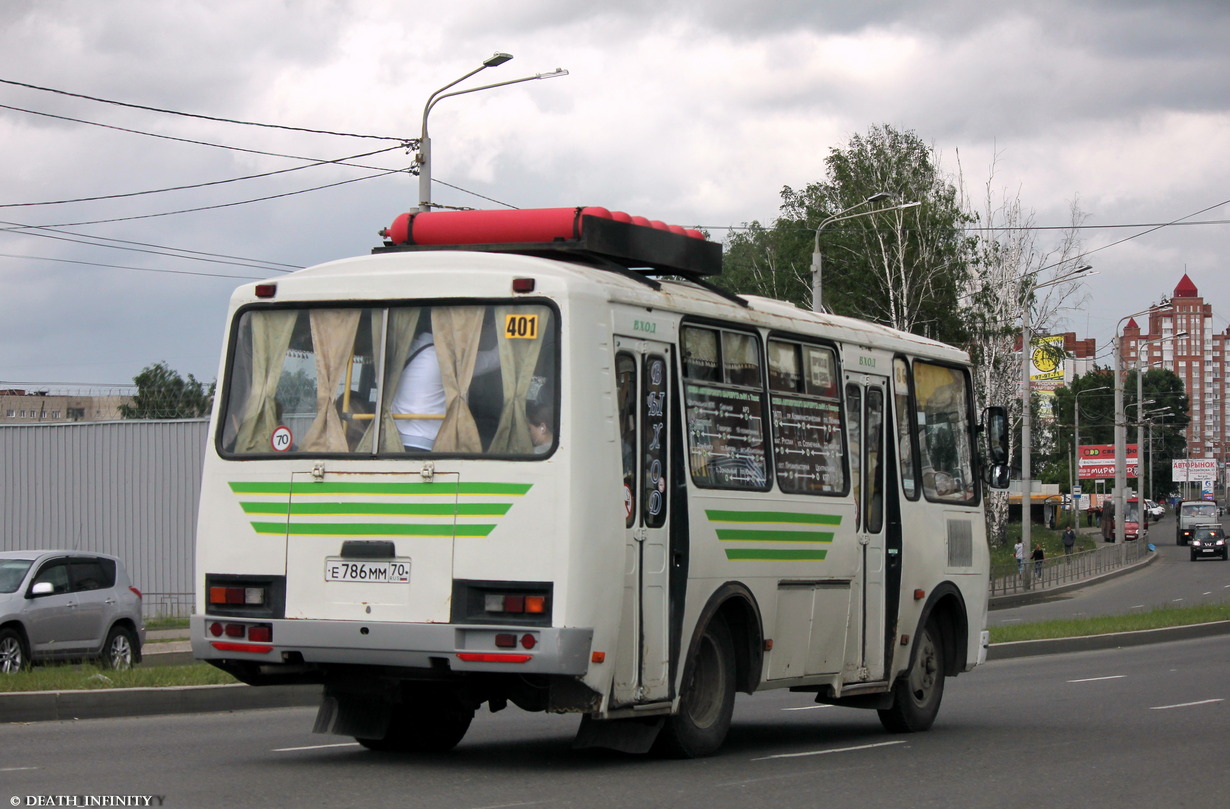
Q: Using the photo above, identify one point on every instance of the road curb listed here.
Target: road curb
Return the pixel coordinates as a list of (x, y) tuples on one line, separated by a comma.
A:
[(52, 706), (1117, 640)]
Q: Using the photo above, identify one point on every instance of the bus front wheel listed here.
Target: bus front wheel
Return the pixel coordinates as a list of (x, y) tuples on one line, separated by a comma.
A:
[(917, 694), (706, 697)]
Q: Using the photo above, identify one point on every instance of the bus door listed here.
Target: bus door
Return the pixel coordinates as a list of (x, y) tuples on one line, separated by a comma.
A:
[(643, 370), (866, 407)]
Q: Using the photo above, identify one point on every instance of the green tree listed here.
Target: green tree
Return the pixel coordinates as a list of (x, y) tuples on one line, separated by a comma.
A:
[(163, 394), (902, 268), (1162, 390)]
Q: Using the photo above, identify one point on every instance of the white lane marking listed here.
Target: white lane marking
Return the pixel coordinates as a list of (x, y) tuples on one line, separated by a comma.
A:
[(1175, 600), (1012, 620), (1137, 607), (809, 708), (826, 752), (16, 769), (1185, 704), (1099, 679), (314, 747)]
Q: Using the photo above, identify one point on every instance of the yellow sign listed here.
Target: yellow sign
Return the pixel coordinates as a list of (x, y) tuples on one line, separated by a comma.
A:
[(1046, 357), (521, 327)]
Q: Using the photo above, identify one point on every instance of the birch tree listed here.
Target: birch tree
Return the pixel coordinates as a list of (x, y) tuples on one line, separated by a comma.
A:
[(902, 268), (1013, 271)]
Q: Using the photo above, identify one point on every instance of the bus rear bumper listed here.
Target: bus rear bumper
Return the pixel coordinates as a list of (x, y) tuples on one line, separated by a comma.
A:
[(437, 647)]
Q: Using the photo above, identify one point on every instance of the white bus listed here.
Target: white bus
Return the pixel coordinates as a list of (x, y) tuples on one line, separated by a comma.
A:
[(504, 459)]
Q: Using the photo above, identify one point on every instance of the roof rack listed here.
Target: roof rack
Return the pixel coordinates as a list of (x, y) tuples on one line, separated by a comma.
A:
[(590, 234)]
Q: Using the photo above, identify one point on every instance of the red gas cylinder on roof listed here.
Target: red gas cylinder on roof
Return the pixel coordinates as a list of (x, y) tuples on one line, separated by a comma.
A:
[(537, 225)]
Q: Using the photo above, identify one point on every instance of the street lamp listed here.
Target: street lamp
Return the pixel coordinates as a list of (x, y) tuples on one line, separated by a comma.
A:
[(1140, 387), (1026, 416), (1076, 436), (817, 297), (1119, 502), (424, 156), (1148, 417)]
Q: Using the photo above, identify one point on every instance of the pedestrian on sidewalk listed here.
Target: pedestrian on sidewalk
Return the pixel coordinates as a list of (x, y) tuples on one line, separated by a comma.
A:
[(1038, 556), (1069, 541), (1018, 550)]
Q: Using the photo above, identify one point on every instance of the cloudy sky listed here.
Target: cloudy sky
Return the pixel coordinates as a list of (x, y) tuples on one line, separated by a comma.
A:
[(695, 113)]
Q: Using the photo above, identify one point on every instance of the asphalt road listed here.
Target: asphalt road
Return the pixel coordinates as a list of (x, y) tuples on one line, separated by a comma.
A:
[(1138, 727), (1171, 580)]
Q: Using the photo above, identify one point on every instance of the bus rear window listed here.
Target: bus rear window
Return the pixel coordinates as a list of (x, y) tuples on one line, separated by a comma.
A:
[(470, 380)]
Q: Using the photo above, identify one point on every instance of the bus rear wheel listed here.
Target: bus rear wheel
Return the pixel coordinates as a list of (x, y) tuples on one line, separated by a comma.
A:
[(706, 698), (429, 721), (917, 694)]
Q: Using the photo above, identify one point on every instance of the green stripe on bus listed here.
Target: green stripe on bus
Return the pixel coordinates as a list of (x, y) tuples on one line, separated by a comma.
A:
[(749, 535), (385, 508), (373, 529), (774, 555), (716, 515), (441, 489)]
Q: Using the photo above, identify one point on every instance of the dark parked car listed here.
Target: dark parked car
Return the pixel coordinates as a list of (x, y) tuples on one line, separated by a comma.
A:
[(1208, 540), (66, 605)]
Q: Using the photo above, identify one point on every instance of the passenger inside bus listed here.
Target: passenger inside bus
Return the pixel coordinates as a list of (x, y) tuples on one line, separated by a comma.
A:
[(540, 419), (421, 401)]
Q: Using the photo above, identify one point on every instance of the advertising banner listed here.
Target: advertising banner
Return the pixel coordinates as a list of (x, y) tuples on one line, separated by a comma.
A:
[(1098, 461), (1046, 363), (1192, 469)]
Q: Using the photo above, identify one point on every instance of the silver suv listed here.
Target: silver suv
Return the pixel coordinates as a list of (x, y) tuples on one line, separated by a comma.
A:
[(67, 605)]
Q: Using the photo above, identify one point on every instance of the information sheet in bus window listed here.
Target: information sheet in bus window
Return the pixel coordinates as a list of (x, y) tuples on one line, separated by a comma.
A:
[(726, 437), (807, 445)]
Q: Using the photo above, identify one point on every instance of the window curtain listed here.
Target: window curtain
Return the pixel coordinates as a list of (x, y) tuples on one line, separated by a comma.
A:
[(457, 330), (333, 333), (518, 359), (402, 325), (271, 333)]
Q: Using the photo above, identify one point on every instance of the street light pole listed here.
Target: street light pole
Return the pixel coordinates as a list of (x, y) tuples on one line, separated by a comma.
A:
[(424, 155), (1119, 501), (1140, 394), (817, 296), (1076, 436)]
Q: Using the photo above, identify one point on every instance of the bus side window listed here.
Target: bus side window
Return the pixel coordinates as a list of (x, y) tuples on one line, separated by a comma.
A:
[(653, 441), (625, 375), (905, 436), (805, 414), (724, 395), (945, 433)]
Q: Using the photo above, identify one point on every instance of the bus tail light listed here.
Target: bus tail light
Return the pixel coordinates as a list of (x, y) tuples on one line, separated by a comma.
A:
[(515, 604), (246, 596), (501, 602), (256, 633), (240, 596)]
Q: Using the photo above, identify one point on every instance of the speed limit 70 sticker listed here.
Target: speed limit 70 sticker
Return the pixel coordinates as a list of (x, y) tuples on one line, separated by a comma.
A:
[(281, 440)]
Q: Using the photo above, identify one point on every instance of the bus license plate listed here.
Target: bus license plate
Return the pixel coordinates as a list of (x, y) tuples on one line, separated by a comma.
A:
[(393, 571)]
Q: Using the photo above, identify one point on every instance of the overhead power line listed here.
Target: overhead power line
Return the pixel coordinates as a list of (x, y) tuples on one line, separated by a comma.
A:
[(408, 144), (196, 115), (143, 247), (219, 205), (315, 164), (139, 269)]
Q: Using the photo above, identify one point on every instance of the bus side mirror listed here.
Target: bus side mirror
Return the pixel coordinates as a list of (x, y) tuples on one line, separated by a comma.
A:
[(996, 472)]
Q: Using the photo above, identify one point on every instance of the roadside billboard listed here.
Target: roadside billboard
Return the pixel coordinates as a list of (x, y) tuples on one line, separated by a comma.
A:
[(1183, 470), (1098, 461)]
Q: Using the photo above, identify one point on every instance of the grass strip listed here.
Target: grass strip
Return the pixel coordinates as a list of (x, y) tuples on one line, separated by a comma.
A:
[(1160, 618), (85, 677)]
